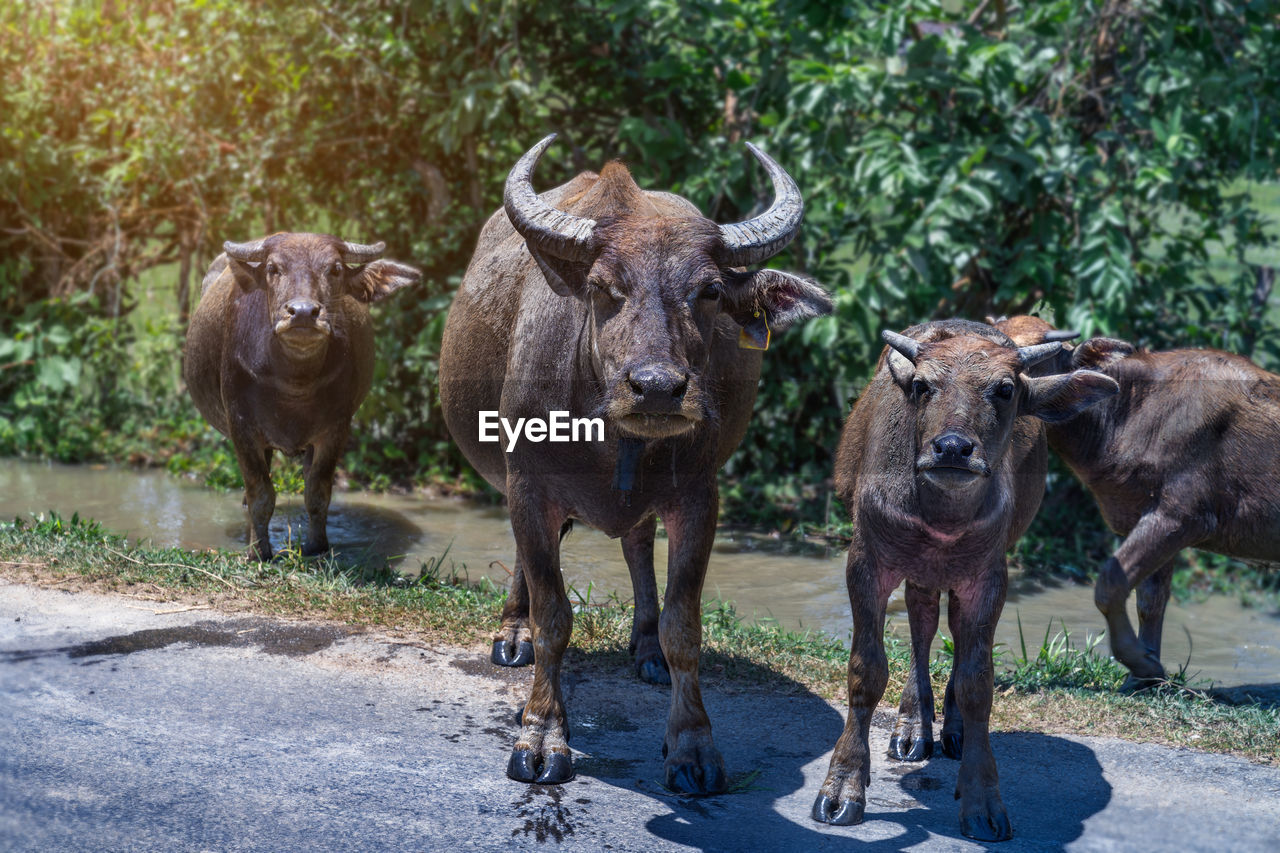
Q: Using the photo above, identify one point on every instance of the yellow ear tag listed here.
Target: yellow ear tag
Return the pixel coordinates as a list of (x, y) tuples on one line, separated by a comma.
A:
[(755, 334)]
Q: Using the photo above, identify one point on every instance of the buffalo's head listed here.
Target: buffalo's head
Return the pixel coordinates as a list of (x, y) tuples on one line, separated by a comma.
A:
[(966, 391), (306, 276), (1093, 354), (655, 275)]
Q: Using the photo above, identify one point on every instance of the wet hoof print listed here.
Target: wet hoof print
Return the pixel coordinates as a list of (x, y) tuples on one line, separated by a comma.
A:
[(512, 653), (555, 769), (830, 810), (910, 749), (653, 670)]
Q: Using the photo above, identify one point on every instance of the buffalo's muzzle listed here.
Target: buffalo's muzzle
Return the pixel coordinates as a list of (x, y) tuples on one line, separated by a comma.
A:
[(659, 387), (303, 319), (655, 400), (952, 459)]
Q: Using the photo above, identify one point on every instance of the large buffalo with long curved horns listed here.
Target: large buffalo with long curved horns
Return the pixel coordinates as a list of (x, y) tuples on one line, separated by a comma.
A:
[(602, 300), (279, 356)]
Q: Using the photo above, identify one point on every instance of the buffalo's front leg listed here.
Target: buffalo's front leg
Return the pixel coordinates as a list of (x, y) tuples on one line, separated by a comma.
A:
[(513, 641), (259, 492), (1153, 598), (637, 547), (318, 467), (1149, 547), (694, 764), (972, 613), (541, 753), (912, 738), (842, 799)]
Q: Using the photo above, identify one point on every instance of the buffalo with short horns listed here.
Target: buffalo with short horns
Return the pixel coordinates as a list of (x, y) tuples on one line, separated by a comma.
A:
[(279, 356), (941, 465), (1186, 455), (598, 298)]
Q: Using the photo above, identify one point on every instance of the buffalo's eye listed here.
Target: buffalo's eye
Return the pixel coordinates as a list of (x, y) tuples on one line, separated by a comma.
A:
[(336, 270), (710, 291), (272, 269), (1004, 391), (919, 388)]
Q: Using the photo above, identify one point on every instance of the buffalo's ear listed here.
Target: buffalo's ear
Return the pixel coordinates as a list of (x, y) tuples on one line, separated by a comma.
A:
[(379, 279), (786, 298), (1097, 353), (249, 277), (566, 278), (1064, 395)]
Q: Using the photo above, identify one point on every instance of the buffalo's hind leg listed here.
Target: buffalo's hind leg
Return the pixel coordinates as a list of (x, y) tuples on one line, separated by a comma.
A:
[(1147, 551), (912, 738), (513, 641), (318, 466), (637, 547), (842, 799), (541, 752), (259, 492)]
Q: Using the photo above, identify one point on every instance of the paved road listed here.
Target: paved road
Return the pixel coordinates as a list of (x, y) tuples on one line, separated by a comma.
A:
[(121, 729)]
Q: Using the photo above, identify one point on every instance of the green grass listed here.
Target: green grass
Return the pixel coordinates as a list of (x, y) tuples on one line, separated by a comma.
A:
[(1058, 687)]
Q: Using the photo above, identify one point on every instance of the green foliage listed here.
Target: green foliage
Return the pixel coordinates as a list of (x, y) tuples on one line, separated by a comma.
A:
[(1098, 158)]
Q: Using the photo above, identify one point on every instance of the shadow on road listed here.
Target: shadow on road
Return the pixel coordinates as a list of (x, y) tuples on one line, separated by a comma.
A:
[(776, 741)]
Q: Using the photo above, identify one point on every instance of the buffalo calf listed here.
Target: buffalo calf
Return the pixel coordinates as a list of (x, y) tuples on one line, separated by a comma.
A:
[(279, 356), (1187, 454), (941, 465)]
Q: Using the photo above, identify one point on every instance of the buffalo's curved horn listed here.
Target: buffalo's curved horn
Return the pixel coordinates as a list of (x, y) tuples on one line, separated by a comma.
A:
[(250, 253), (762, 237), (1060, 335), (559, 234), (908, 348), (1032, 355), (359, 253)]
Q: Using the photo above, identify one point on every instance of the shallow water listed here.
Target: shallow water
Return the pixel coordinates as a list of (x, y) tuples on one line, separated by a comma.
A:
[(799, 586)]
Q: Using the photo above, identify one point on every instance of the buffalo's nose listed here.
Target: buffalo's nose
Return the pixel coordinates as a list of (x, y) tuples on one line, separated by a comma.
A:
[(952, 448), (303, 309), (658, 382)]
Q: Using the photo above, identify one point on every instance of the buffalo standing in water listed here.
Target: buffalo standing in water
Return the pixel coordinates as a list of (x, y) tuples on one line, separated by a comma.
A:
[(942, 466), (279, 356), (1186, 455), (598, 298)]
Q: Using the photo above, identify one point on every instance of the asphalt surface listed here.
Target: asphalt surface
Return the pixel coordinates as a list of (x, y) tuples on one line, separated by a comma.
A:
[(124, 729)]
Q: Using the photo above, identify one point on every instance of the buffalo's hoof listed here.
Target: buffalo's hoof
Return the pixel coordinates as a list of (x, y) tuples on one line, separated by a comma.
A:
[(699, 780), (953, 744), (512, 653), (653, 670), (987, 827), (695, 767), (1139, 683), (831, 810), (257, 553), (524, 767), (910, 749)]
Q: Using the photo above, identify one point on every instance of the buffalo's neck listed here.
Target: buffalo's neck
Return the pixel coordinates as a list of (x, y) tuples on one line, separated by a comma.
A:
[(1082, 441), (295, 368)]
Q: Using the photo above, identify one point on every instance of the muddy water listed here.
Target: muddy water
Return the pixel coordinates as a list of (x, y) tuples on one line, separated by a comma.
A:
[(801, 587)]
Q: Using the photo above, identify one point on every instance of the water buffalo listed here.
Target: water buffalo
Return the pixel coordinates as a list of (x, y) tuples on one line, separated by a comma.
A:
[(601, 299), (279, 355), (1186, 455), (942, 466)]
